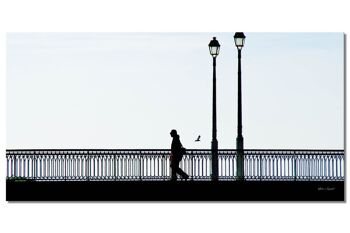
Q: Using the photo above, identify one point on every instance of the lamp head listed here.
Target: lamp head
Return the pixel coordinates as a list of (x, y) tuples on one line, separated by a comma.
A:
[(214, 47), (239, 39)]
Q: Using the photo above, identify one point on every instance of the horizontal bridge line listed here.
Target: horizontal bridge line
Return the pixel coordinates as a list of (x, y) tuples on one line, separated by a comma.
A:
[(325, 150)]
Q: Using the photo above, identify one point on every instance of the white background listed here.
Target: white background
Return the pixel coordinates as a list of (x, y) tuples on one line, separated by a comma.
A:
[(128, 90), (184, 16)]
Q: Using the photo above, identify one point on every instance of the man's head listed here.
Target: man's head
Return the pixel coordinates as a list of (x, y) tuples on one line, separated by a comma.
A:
[(173, 133)]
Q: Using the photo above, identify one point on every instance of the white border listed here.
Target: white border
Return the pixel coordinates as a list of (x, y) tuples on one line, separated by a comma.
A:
[(160, 15)]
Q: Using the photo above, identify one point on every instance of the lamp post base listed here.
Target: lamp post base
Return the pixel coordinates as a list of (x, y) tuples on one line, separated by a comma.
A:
[(240, 159), (214, 160)]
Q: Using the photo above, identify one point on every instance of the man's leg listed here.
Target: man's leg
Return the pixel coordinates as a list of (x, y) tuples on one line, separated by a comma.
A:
[(182, 173), (174, 167)]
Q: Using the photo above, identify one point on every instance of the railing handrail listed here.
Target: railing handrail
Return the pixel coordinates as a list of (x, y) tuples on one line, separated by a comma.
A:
[(325, 150)]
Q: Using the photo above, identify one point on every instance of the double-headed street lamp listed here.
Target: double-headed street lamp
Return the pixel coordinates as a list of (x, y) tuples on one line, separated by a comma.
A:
[(214, 49), (239, 41)]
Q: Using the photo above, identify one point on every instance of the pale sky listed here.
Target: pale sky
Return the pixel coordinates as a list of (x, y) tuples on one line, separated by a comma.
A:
[(128, 90)]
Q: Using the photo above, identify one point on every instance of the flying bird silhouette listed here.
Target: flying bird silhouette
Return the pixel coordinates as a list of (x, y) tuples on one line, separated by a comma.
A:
[(198, 139)]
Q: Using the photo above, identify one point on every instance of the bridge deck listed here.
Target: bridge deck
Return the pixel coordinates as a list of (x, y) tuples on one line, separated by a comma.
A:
[(175, 191)]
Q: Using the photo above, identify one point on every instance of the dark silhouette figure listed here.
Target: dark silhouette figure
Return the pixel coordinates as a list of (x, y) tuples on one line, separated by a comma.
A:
[(176, 156), (198, 139)]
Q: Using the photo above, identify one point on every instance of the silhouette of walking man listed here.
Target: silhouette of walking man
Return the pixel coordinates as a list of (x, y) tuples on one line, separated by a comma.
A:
[(176, 156)]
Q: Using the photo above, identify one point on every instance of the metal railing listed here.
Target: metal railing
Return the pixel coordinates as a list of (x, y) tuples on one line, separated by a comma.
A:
[(94, 165)]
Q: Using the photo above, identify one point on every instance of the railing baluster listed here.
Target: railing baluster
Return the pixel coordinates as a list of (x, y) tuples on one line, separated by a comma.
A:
[(295, 166)]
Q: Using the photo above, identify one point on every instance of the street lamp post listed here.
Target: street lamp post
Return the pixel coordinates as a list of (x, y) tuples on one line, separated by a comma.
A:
[(214, 49), (239, 41)]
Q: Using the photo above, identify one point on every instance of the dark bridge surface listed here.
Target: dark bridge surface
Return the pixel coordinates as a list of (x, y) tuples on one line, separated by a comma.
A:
[(175, 191)]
